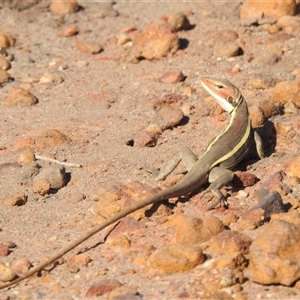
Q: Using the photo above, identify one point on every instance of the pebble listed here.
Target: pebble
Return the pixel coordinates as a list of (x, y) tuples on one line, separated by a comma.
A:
[(51, 138), (229, 49), (51, 178), (285, 91), (123, 38), (172, 77), (4, 76), (170, 116), (20, 97), (179, 21), (26, 157), (144, 139), (257, 116), (6, 273), (4, 250), (274, 255), (68, 31), (6, 40), (229, 241), (55, 78), (62, 7), (81, 259), (21, 266), (289, 23), (270, 204), (268, 108), (257, 83), (175, 258), (294, 169), (102, 287), (4, 63), (17, 200), (87, 47), (190, 230), (275, 9), (156, 41)]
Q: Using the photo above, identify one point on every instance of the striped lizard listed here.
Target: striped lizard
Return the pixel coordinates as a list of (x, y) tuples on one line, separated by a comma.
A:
[(222, 154)]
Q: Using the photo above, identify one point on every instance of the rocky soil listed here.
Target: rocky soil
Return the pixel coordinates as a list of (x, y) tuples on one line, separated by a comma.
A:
[(95, 97)]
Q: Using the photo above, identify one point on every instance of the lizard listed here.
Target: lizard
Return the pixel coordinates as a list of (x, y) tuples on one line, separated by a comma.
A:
[(214, 166)]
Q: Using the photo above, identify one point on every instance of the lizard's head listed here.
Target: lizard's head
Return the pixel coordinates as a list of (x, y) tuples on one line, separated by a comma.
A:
[(227, 95)]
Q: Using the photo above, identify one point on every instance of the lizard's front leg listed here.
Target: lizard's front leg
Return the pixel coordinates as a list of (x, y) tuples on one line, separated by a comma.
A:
[(186, 155), (218, 177)]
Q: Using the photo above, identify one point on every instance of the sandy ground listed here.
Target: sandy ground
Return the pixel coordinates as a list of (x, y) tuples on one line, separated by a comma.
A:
[(102, 103)]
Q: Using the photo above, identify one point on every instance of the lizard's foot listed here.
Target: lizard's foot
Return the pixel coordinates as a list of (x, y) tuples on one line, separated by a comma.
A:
[(223, 202)]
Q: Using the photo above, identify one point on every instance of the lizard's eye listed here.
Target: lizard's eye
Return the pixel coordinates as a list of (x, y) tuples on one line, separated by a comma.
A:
[(219, 86), (230, 100)]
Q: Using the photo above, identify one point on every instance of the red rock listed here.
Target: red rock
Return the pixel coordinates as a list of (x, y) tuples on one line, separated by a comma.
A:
[(144, 139), (63, 7), (257, 116), (244, 178), (68, 31), (171, 116), (4, 250), (102, 287), (171, 77), (156, 41), (21, 266)]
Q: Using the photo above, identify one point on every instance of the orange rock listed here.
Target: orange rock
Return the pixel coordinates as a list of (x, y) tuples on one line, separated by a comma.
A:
[(87, 47), (156, 41), (179, 21), (274, 255), (229, 241), (63, 7), (68, 31), (193, 230), (6, 40), (4, 76), (285, 91), (20, 97), (51, 138), (294, 169), (81, 259), (6, 273), (272, 9), (176, 258), (17, 200), (4, 63)]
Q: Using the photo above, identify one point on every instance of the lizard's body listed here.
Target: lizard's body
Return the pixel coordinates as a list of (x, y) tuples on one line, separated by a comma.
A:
[(214, 165)]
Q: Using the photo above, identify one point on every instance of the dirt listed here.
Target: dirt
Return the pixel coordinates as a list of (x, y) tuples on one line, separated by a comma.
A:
[(101, 104)]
